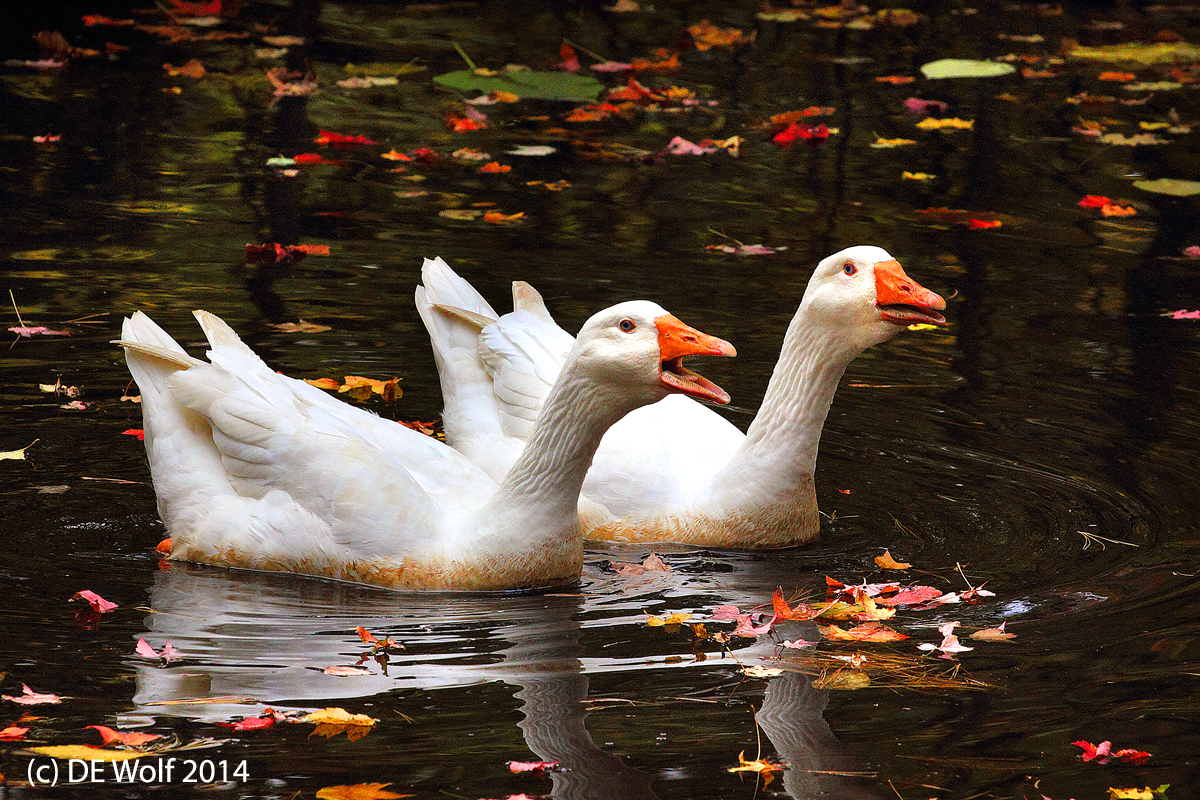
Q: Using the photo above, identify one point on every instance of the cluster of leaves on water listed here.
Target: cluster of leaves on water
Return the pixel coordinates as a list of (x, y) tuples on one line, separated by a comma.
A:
[(878, 658)]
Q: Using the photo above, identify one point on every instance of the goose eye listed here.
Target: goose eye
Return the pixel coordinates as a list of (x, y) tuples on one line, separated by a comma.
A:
[(849, 268), (627, 325)]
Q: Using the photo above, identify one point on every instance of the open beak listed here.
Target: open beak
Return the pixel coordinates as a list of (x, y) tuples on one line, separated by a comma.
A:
[(676, 340), (903, 301)]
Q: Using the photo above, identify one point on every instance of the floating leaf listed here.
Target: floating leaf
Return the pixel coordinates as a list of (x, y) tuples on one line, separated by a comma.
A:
[(1102, 753), (86, 752), (342, 671), (532, 84), (517, 767), (965, 68), (887, 143), (338, 716), (763, 767), (845, 680), (129, 738), (951, 123), (667, 619), (996, 634), (1153, 53), (299, 327), (17, 455), (359, 791), (98, 603), (886, 561), (29, 697), (866, 632), (652, 563), (1131, 141), (1171, 186), (706, 36), (757, 671)]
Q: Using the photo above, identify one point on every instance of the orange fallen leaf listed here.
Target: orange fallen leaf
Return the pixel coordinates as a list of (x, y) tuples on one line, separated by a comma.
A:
[(760, 765), (705, 36), (130, 738), (359, 791), (866, 632), (886, 561), (495, 167), (192, 69), (500, 218), (1114, 210)]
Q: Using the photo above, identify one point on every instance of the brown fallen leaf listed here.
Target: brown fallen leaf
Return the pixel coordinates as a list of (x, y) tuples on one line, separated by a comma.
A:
[(652, 563), (300, 327), (996, 634)]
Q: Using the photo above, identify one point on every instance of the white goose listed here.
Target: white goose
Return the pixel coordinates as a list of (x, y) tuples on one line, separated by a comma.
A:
[(254, 469), (675, 471)]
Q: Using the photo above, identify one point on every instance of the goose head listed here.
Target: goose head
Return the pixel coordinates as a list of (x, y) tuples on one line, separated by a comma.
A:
[(638, 348), (864, 293)]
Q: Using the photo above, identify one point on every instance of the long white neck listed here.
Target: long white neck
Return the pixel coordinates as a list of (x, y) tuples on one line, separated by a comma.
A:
[(541, 491), (779, 455)]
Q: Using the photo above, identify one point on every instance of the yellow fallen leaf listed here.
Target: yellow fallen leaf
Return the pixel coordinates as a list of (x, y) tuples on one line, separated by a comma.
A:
[(934, 124), (668, 619), (917, 176), (922, 326), (17, 455), (882, 143), (338, 716), (86, 752)]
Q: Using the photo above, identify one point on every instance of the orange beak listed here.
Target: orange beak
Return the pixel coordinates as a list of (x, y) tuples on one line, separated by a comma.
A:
[(676, 340), (903, 301)]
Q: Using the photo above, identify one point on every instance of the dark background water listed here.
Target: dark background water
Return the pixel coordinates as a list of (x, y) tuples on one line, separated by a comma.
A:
[(1059, 400)]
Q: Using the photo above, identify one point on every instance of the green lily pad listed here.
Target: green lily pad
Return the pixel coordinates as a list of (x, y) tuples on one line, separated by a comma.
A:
[(1173, 186), (527, 84), (965, 68)]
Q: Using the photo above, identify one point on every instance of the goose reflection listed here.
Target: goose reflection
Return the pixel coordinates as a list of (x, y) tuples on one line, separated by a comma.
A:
[(250, 640)]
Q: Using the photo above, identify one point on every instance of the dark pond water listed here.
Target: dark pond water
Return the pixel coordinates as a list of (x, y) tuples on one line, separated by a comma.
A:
[(1060, 404)]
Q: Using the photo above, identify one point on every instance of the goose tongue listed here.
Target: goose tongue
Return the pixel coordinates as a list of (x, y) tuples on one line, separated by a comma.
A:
[(903, 301), (676, 340)]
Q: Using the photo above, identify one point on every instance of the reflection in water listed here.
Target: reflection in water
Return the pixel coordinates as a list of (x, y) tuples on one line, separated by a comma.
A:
[(264, 640)]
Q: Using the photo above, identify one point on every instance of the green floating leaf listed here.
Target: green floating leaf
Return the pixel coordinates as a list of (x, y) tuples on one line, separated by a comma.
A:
[(527, 84), (965, 68), (1175, 186)]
